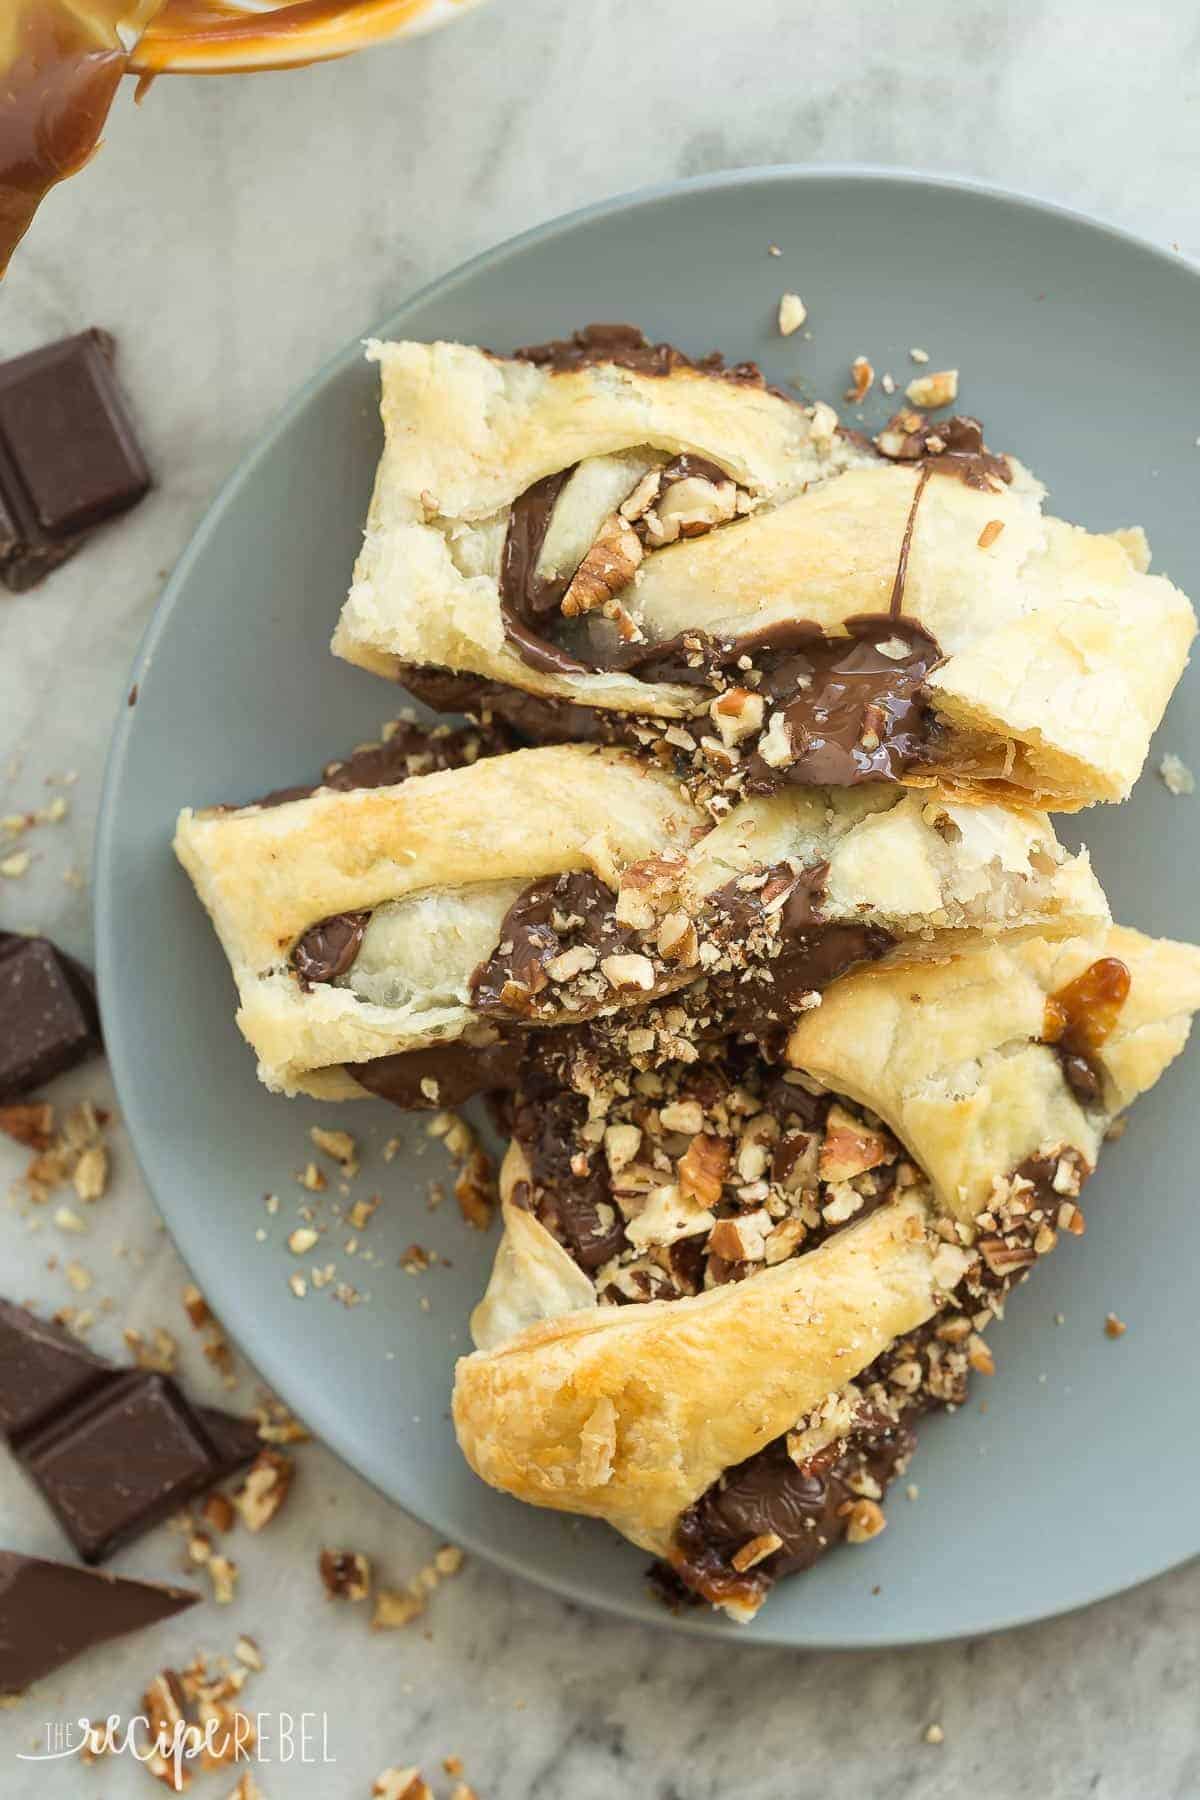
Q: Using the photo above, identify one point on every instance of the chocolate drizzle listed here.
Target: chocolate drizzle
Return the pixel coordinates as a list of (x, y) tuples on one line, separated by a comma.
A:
[(896, 604)]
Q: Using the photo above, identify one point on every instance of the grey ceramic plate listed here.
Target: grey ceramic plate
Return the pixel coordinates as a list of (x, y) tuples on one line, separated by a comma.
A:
[(1079, 349)]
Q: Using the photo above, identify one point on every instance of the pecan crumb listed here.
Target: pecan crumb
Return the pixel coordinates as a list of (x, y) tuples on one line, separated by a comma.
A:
[(990, 533), (401, 1784), (265, 1489), (346, 1574)]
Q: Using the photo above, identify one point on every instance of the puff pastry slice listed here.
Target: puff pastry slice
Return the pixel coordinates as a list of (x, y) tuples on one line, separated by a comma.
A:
[(745, 1423), (372, 932), (645, 543)]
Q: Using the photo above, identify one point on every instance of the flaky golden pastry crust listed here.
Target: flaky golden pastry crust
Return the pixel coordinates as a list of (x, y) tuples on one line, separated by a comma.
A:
[(951, 1058), (1061, 650), (630, 1413), (483, 832), (442, 857)]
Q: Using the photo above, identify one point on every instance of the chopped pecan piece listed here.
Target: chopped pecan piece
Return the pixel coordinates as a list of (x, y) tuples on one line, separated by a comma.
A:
[(702, 1170), (609, 566)]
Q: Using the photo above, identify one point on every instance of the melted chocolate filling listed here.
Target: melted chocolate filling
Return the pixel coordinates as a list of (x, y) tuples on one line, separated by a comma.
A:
[(531, 718), (390, 763), (951, 446), (329, 948), (459, 1071), (805, 1505), (851, 712), (807, 954), (577, 1209), (550, 916), (629, 348)]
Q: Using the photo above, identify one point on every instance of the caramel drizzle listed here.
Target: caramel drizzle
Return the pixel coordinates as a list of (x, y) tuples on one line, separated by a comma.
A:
[(1080, 1017)]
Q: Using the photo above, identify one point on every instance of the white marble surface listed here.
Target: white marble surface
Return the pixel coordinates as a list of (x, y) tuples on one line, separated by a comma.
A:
[(234, 234)]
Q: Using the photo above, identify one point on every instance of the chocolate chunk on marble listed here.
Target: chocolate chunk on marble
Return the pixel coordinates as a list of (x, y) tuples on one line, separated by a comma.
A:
[(113, 1450), (69, 459), (51, 1612), (48, 1015)]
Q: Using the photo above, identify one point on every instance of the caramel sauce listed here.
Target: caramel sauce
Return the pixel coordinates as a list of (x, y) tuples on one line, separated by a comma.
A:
[(1081, 1015), (61, 62), (60, 66)]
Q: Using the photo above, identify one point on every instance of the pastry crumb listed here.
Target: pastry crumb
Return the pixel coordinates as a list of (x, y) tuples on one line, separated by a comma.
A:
[(934, 1734), (919, 356), (1114, 1327), (1177, 778)]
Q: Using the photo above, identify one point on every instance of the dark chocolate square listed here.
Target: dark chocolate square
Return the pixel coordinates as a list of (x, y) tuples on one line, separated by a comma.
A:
[(43, 1371), (121, 1463), (48, 1016), (69, 458)]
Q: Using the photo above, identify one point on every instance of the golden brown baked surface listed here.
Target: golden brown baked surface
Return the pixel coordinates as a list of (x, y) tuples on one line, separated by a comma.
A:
[(630, 1412), (1060, 649), (434, 864)]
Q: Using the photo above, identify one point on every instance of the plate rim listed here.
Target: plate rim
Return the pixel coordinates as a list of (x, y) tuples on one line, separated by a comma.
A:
[(120, 1052)]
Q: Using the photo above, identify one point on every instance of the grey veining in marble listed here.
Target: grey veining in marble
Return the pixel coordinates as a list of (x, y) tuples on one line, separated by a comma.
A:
[(233, 234)]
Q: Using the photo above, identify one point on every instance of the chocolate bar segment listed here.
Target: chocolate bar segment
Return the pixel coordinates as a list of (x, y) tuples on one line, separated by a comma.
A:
[(51, 1612), (113, 1450), (69, 459), (44, 1371), (48, 1015)]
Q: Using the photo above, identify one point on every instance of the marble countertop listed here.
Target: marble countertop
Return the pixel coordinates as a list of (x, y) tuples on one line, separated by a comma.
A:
[(232, 234)]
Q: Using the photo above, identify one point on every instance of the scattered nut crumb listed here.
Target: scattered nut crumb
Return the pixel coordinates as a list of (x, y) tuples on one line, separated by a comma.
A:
[(159, 1353), (1114, 1327), (939, 389), (339, 1145), (298, 1285), (792, 314), (218, 1512), (196, 1306), (346, 1574), (302, 1240), (223, 1572), (31, 1124), (247, 1651), (312, 1178), (919, 356), (264, 1490), (990, 533), (934, 1734), (862, 374), (774, 250), (401, 1784), (15, 865), (1176, 776), (79, 1277), (362, 1211)]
